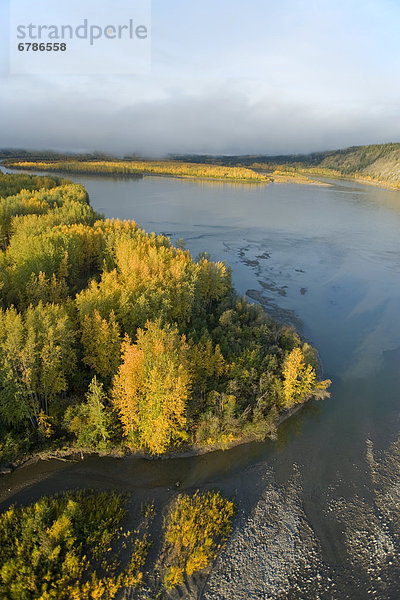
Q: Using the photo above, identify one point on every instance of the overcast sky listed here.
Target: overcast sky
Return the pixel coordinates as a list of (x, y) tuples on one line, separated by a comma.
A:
[(226, 77)]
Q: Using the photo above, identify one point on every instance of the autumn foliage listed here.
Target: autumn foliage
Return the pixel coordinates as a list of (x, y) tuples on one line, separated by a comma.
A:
[(137, 167), (152, 387), (68, 547), (111, 336), (196, 528)]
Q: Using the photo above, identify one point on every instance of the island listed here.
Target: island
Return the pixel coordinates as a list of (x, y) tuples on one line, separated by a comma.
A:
[(135, 168), (375, 164), (111, 338)]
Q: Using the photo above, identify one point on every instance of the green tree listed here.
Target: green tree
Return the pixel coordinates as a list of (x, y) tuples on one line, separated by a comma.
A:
[(88, 421), (38, 357), (102, 343)]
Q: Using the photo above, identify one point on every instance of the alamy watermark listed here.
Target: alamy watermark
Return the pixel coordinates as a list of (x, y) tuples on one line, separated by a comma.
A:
[(80, 37)]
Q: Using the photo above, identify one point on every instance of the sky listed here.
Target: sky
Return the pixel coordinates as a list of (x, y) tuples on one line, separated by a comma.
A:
[(226, 77)]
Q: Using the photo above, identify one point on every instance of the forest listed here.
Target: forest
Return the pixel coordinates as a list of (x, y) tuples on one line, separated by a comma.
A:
[(78, 545), (112, 338), (69, 547), (144, 167)]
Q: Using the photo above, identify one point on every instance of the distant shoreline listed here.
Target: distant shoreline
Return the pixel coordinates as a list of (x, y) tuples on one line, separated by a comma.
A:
[(301, 176), (364, 180), (145, 168)]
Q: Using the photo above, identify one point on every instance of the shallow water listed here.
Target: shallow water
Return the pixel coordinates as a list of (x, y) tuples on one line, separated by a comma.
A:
[(326, 259)]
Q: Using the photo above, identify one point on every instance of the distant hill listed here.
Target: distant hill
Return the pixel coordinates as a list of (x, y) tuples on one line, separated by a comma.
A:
[(377, 163), (380, 162)]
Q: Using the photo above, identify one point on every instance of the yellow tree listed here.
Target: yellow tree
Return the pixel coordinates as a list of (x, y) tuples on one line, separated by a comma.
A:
[(152, 386), (102, 343), (207, 365), (299, 379)]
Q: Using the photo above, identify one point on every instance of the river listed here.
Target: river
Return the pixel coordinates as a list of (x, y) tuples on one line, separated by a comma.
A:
[(315, 519)]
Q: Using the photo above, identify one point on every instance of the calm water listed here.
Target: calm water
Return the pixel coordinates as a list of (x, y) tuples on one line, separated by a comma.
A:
[(328, 260)]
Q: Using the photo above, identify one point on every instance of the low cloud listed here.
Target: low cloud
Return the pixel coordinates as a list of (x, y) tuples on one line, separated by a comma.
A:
[(222, 121)]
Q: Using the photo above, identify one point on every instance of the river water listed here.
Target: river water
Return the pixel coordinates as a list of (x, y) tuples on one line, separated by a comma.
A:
[(319, 508)]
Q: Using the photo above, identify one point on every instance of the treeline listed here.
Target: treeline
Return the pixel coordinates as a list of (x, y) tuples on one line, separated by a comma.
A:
[(113, 337), (140, 167), (375, 163), (22, 154)]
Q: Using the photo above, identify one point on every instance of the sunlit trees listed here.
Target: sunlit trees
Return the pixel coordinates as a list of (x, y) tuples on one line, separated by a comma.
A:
[(11, 184), (38, 357), (102, 343), (148, 277), (299, 379), (207, 365), (47, 234), (58, 548), (196, 528), (136, 167), (172, 353), (76, 248), (152, 387)]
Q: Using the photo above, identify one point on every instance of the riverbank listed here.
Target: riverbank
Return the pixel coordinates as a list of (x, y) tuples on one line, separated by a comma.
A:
[(303, 176), (195, 172), (290, 177), (332, 174), (75, 453)]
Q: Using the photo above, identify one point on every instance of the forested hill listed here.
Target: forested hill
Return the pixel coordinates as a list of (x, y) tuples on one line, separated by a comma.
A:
[(378, 163), (111, 337)]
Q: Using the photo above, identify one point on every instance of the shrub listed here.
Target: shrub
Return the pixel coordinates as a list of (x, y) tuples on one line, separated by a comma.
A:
[(60, 548), (196, 528)]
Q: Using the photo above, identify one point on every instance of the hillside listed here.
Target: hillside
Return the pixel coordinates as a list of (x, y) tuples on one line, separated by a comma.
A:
[(380, 162), (376, 163)]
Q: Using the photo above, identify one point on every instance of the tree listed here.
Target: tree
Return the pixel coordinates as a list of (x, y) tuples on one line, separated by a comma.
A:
[(299, 379), (102, 343), (88, 421), (207, 364), (37, 358), (152, 387), (16, 405)]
